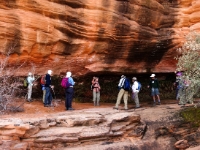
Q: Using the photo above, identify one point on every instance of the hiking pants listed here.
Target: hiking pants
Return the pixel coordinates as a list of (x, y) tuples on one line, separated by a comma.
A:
[(43, 97), (30, 86), (136, 99), (48, 96), (69, 92), (44, 92), (177, 93), (124, 94), (96, 97)]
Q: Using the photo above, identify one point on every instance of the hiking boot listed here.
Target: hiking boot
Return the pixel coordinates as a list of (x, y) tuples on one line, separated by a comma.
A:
[(154, 103), (70, 108), (115, 107), (158, 103), (51, 105), (29, 100), (136, 107)]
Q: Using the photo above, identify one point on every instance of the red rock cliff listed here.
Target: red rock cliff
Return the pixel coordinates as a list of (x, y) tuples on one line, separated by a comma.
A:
[(85, 36)]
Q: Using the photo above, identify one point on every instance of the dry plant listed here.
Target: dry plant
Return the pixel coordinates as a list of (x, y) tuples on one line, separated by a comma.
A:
[(189, 64), (9, 83)]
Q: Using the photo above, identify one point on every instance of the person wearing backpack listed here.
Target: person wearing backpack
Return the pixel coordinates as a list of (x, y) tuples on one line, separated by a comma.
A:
[(178, 85), (42, 83), (69, 91), (48, 86), (154, 86), (123, 86), (96, 91), (135, 91), (30, 80)]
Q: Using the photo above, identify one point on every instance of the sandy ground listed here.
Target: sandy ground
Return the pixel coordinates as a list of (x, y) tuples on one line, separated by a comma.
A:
[(147, 111), (37, 109)]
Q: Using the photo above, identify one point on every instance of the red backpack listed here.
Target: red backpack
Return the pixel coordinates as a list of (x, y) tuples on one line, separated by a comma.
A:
[(64, 83), (43, 79)]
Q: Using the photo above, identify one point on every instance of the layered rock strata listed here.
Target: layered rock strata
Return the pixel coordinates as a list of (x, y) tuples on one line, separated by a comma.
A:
[(68, 130), (101, 129), (88, 36)]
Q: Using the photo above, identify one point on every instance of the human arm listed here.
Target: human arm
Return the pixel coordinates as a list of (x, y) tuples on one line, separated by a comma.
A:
[(157, 83), (149, 85), (71, 81), (135, 87)]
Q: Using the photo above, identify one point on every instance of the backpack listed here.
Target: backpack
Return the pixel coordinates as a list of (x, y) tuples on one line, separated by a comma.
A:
[(43, 80), (25, 82), (92, 87), (64, 83), (127, 85), (139, 86)]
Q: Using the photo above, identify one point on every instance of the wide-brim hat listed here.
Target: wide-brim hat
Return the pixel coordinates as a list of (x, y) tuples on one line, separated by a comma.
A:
[(179, 74), (134, 78), (123, 76), (49, 71), (68, 74), (152, 75)]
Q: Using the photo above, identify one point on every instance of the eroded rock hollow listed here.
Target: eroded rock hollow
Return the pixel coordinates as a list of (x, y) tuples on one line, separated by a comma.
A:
[(86, 36)]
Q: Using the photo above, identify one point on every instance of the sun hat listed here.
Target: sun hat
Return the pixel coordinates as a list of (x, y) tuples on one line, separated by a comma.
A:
[(179, 74), (152, 75), (134, 78), (123, 76), (49, 72), (68, 74)]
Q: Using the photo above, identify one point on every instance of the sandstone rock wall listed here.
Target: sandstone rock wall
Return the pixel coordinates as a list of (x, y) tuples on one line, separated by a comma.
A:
[(85, 36)]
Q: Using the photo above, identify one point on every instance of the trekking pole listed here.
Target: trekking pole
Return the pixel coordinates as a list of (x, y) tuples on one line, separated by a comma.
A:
[(54, 93), (55, 104)]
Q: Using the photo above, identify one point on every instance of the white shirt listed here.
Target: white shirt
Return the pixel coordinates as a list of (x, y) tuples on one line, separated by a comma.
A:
[(30, 80), (121, 82), (135, 87)]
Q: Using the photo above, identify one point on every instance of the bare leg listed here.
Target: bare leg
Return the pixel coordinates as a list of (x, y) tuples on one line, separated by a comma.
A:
[(154, 99), (158, 98)]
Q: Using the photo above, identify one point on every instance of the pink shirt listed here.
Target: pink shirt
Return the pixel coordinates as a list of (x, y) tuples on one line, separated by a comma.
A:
[(96, 86)]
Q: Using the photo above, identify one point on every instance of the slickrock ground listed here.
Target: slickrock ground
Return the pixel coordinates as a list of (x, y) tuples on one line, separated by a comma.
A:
[(90, 127)]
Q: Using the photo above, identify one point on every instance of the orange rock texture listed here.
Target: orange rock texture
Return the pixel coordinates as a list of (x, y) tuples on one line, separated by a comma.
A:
[(96, 36)]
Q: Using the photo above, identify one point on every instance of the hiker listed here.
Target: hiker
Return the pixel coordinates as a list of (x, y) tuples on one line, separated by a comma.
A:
[(69, 92), (96, 91), (44, 93), (123, 92), (177, 85), (184, 92), (30, 80), (42, 84), (154, 86), (48, 86), (135, 92)]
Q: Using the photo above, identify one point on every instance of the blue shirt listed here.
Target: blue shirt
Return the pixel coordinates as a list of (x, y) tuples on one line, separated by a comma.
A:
[(71, 81)]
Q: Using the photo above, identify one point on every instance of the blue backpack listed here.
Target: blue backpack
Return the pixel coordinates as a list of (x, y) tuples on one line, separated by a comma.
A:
[(139, 86), (127, 85)]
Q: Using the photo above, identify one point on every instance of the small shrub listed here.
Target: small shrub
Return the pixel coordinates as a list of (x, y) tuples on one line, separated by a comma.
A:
[(192, 115)]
